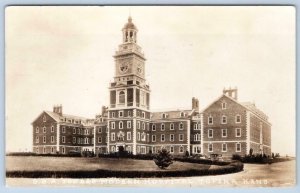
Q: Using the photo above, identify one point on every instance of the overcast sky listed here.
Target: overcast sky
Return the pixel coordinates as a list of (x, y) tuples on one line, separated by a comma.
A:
[(63, 55)]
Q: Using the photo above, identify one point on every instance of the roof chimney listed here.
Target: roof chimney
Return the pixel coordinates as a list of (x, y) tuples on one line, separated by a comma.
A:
[(195, 104), (57, 109)]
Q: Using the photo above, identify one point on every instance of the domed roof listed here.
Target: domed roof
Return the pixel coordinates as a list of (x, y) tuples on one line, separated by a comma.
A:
[(129, 25)]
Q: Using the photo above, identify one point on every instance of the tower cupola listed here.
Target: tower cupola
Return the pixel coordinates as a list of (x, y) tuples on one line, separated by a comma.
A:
[(129, 32)]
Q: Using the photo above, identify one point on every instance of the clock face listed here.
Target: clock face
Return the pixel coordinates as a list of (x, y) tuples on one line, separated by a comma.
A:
[(140, 69), (124, 67)]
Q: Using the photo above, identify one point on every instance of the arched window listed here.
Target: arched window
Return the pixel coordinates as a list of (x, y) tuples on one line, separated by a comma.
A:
[(121, 97)]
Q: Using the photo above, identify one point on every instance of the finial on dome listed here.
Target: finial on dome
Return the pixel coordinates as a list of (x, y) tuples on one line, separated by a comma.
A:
[(129, 19)]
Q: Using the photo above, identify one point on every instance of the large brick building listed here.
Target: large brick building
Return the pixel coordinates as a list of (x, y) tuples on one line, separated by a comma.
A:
[(128, 124)]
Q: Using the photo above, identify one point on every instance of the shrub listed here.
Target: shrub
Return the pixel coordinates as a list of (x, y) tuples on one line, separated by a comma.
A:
[(163, 159), (236, 157)]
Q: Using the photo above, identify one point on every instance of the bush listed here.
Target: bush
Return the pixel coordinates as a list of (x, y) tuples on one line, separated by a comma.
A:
[(236, 157), (163, 159)]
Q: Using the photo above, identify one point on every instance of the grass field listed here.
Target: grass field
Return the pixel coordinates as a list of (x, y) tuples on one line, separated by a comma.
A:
[(38, 163)]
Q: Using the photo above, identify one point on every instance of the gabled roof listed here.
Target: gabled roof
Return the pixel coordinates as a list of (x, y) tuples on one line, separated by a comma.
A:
[(247, 105)]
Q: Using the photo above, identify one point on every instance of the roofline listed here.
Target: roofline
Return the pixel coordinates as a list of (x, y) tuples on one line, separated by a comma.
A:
[(41, 114)]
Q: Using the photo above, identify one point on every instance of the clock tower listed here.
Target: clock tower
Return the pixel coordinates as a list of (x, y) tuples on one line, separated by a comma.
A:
[(129, 116)]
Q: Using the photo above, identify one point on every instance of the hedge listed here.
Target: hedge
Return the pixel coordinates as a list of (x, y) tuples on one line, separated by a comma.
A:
[(231, 168)]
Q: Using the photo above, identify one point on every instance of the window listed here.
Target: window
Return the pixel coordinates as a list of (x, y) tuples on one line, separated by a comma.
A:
[(113, 114), (143, 137), (224, 119), (181, 149), (180, 137), (143, 114), (87, 131), (238, 147), (113, 125), (210, 133), (44, 129), (44, 139), (224, 105), (182, 114), (37, 130), (153, 127), (162, 127), (112, 136), (195, 126), (148, 137), (162, 137), (52, 129), (78, 140), (52, 139), (224, 132), (163, 116), (113, 148), (171, 149), (129, 113), (63, 139), (121, 125), (210, 147), (52, 149), (138, 136), (138, 150), (37, 150), (86, 140), (63, 129), (78, 130), (224, 147), (171, 137), (120, 113), (238, 118), (74, 140), (154, 149), (63, 150), (128, 135), (121, 97), (44, 118), (171, 126), (74, 130), (128, 148), (238, 132), (100, 130), (138, 125), (210, 120), (37, 139), (143, 150), (92, 140), (128, 124), (153, 138), (44, 150), (197, 137), (99, 139), (143, 126), (181, 126)]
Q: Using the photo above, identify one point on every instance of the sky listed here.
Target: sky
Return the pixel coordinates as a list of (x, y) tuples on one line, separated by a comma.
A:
[(63, 55)]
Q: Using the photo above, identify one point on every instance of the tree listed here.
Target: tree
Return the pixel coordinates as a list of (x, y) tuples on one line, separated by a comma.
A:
[(163, 159)]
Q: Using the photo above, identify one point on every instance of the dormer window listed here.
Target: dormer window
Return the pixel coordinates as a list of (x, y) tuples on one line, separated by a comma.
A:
[(164, 116), (181, 114), (224, 105)]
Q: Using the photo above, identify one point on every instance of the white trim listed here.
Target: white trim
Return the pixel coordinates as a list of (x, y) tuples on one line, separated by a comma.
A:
[(212, 147), (162, 136), (173, 137), (236, 150), (224, 136), (182, 137), (224, 116), (225, 148), (181, 123), (236, 118), (212, 120)]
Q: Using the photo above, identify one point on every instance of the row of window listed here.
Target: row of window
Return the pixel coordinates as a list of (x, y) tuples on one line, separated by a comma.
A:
[(142, 137), (238, 119), (238, 147), (63, 139), (121, 114), (238, 132), (142, 149), (37, 130), (52, 150), (143, 126)]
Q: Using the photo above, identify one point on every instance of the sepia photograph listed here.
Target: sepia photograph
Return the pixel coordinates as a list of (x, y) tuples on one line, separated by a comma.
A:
[(150, 96)]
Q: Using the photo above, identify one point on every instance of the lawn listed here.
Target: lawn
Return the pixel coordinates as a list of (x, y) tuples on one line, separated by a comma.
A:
[(39, 163)]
